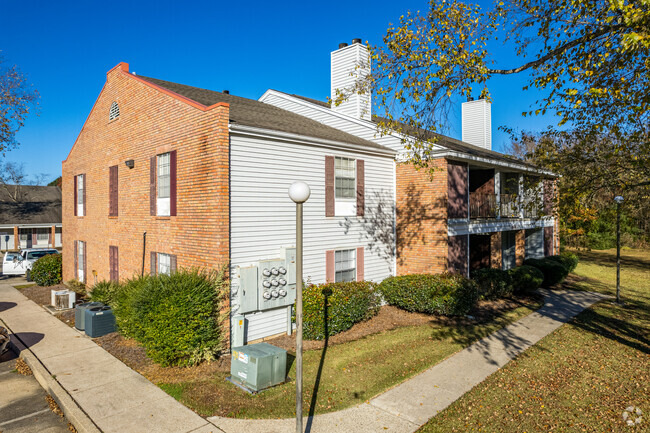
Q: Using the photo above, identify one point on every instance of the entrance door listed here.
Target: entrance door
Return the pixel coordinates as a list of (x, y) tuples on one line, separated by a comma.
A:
[(508, 254)]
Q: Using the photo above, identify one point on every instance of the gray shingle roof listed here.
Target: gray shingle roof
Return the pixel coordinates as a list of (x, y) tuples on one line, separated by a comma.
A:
[(33, 204), (249, 112), (448, 142)]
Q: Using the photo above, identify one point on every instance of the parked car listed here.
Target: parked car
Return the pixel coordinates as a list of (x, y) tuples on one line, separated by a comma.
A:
[(21, 263)]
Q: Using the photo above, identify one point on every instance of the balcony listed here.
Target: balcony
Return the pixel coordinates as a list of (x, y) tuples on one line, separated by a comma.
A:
[(484, 206)]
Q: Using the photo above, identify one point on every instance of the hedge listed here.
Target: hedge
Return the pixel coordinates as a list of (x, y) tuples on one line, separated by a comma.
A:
[(348, 303), (492, 283), (445, 294), (177, 318), (526, 279), (566, 259), (46, 271), (553, 271)]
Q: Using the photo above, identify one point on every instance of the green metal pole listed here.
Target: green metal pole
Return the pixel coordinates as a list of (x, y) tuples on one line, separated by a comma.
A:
[(298, 317)]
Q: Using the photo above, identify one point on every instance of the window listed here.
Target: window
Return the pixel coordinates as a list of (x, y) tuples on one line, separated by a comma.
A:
[(23, 236), (345, 265), (344, 178), (114, 112), (164, 264), (42, 235), (81, 259), (164, 184), (80, 193)]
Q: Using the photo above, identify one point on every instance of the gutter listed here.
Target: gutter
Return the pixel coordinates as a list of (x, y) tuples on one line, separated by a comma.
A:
[(493, 162)]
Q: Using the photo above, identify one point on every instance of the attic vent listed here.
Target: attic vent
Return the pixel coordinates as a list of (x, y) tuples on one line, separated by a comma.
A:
[(114, 112)]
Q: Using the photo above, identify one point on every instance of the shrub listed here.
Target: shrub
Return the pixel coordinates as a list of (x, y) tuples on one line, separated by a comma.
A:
[(46, 271), (566, 259), (526, 279), (446, 294), (77, 286), (177, 318), (553, 271), (104, 292), (348, 303), (492, 283)]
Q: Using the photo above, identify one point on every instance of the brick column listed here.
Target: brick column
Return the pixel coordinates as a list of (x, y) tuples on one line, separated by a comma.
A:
[(16, 238), (53, 236), (520, 247), (495, 250)]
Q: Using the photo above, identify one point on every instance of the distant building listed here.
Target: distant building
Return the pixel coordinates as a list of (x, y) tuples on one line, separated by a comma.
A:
[(30, 217)]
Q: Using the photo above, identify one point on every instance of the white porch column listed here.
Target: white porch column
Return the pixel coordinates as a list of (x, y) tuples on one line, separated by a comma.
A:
[(497, 192), (521, 195)]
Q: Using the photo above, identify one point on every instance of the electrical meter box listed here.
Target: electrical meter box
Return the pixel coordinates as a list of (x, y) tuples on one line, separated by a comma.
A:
[(258, 366), (268, 284)]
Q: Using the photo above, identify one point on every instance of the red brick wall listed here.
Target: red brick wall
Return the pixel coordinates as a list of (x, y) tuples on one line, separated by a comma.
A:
[(421, 218), (457, 183), (495, 250), (150, 123)]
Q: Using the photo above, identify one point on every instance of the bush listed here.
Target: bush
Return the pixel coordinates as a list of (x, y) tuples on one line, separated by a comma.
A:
[(566, 259), (349, 303), (46, 271), (553, 271), (492, 283), (177, 318), (104, 292), (526, 279), (77, 286), (446, 294)]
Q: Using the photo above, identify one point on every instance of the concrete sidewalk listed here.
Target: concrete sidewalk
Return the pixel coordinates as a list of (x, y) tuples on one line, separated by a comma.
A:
[(116, 398)]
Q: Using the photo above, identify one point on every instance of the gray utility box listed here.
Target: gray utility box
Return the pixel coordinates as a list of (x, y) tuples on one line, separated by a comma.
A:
[(80, 313), (99, 321), (258, 366), (269, 284)]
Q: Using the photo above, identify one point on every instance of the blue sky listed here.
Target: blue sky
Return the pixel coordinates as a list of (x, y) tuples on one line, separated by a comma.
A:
[(67, 47)]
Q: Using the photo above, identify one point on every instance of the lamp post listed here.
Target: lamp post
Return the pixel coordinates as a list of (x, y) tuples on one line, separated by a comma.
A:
[(618, 199), (299, 192)]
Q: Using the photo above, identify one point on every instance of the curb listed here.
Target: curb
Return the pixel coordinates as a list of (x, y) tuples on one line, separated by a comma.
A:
[(75, 415)]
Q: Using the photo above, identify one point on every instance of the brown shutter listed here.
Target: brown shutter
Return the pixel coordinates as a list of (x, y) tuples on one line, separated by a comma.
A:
[(113, 258), (152, 186), (76, 259), (329, 186), (360, 263), (361, 190), (85, 251), (84, 203), (113, 191), (172, 183), (75, 196), (154, 265), (330, 274), (172, 263)]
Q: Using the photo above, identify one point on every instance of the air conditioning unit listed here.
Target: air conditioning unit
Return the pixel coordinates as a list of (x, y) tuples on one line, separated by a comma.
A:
[(62, 299), (99, 321), (80, 311), (258, 366)]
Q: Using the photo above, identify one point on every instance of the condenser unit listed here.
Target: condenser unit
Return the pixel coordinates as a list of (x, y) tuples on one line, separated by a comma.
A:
[(79, 313), (258, 366), (62, 299), (99, 321)]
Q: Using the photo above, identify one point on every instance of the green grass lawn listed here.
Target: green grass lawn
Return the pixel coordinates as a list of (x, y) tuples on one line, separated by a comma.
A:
[(584, 375), (350, 373)]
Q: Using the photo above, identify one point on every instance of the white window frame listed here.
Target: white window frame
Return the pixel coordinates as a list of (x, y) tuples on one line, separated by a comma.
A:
[(345, 206), (81, 245), (81, 184), (345, 262), (164, 264), (163, 184)]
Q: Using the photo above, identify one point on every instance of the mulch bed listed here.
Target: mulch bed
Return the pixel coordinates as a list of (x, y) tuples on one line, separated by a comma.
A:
[(135, 356)]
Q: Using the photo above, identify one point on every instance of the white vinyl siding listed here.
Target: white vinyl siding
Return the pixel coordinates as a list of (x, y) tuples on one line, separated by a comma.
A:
[(263, 215), (348, 65), (163, 185)]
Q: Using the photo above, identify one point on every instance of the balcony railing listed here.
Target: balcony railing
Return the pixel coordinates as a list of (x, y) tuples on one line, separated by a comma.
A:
[(507, 205)]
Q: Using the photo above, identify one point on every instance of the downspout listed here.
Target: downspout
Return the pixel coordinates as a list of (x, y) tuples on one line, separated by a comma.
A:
[(144, 248)]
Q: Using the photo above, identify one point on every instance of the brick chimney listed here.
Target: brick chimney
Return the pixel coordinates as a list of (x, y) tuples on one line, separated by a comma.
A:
[(477, 123), (351, 64)]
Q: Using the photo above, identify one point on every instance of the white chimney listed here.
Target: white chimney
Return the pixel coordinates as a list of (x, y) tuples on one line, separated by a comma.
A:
[(477, 123), (351, 64)]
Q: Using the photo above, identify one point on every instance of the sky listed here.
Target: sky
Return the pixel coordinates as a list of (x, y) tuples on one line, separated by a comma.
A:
[(65, 48)]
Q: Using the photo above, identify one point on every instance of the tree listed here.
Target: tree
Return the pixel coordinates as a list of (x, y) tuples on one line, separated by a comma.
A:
[(13, 178), (17, 98), (589, 62)]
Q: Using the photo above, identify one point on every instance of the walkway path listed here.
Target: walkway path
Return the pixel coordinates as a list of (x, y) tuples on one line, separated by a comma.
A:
[(116, 398)]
